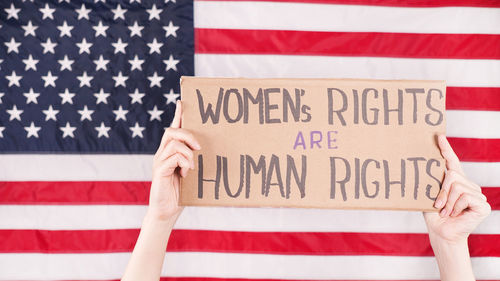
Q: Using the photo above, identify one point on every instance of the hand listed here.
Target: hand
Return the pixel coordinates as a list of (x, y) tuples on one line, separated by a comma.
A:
[(461, 203), (172, 160)]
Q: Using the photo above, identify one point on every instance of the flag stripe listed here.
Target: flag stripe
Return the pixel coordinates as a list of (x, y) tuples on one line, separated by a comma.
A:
[(373, 44), (96, 217), (473, 98), (480, 150), (109, 193), (340, 18), (195, 264), (278, 243)]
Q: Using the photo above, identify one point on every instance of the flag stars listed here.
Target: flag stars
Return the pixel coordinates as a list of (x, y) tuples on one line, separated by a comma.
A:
[(67, 97), (137, 130), (155, 80), (136, 97), (84, 46), (49, 80), (14, 113), (31, 96), (14, 79), (65, 29), (155, 47), (171, 63), (12, 46), (47, 12), (155, 114), (100, 29), (101, 97), (119, 46), (50, 113), (84, 79), (101, 63), (102, 131), (12, 12), (83, 12), (118, 13), (30, 63), (68, 131), (170, 30), (1, 95), (154, 13), (136, 63), (120, 79), (171, 97), (48, 47), (120, 114), (66, 63), (86, 114), (1, 131), (32, 130), (135, 30), (29, 29)]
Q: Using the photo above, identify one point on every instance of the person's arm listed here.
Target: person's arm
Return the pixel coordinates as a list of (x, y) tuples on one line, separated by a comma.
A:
[(172, 160), (462, 207)]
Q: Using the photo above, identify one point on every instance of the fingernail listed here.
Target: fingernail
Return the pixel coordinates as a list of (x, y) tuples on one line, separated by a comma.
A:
[(438, 204), (197, 146), (443, 213)]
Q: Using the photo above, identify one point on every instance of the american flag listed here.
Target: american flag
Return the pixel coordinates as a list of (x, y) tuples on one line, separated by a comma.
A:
[(87, 86)]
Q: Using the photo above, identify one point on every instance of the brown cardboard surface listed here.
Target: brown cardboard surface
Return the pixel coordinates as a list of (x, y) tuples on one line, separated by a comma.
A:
[(319, 143)]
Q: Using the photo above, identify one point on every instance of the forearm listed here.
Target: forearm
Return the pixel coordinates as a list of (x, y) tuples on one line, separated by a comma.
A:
[(147, 258), (453, 260)]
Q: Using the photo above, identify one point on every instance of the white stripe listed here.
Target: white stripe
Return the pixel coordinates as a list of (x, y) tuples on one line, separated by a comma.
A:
[(254, 266), (473, 124), (64, 217), (456, 72), (483, 173), (358, 18)]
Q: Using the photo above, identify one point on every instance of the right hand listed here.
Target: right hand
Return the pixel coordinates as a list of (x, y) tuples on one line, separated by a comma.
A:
[(172, 160)]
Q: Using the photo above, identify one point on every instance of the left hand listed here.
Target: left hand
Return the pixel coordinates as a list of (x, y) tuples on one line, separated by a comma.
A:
[(461, 203)]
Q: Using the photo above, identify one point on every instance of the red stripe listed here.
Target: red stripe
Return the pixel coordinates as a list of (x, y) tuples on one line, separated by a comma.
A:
[(469, 98), (372, 44), (476, 150), (493, 195), (282, 243), (392, 3)]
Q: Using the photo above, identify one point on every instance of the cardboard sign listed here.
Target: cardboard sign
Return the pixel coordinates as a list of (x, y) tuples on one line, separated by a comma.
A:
[(319, 143)]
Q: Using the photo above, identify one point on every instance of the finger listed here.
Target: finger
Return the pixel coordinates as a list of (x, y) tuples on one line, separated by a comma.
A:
[(452, 161), (455, 191), (441, 198), (174, 161), (176, 146), (182, 135), (176, 122), (473, 203)]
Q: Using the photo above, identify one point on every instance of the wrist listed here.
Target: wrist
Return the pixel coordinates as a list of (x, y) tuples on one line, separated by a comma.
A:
[(153, 218), (453, 258)]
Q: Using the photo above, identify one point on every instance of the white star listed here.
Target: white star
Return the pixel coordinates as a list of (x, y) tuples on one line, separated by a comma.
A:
[(119, 12), (60, 1), (171, 97), (50, 113), (12, 12), (97, 1), (1, 60), (14, 79), (120, 79), (171, 63), (154, 46), (101, 97), (48, 47), (102, 130), (29, 29), (67, 97), (31, 96), (154, 13), (135, 29), (136, 63), (85, 113), (68, 130), (66, 63), (1, 131), (137, 130), (138, 1), (30, 63), (32, 130), (155, 80), (84, 46), (65, 29), (170, 29), (84, 79), (155, 114), (100, 29), (119, 46), (12, 46), (136, 97), (47, 12), (14, 113), (83, 12), (101, 63), (166, 1), (1, 95), (49, 79), (120, 114)]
